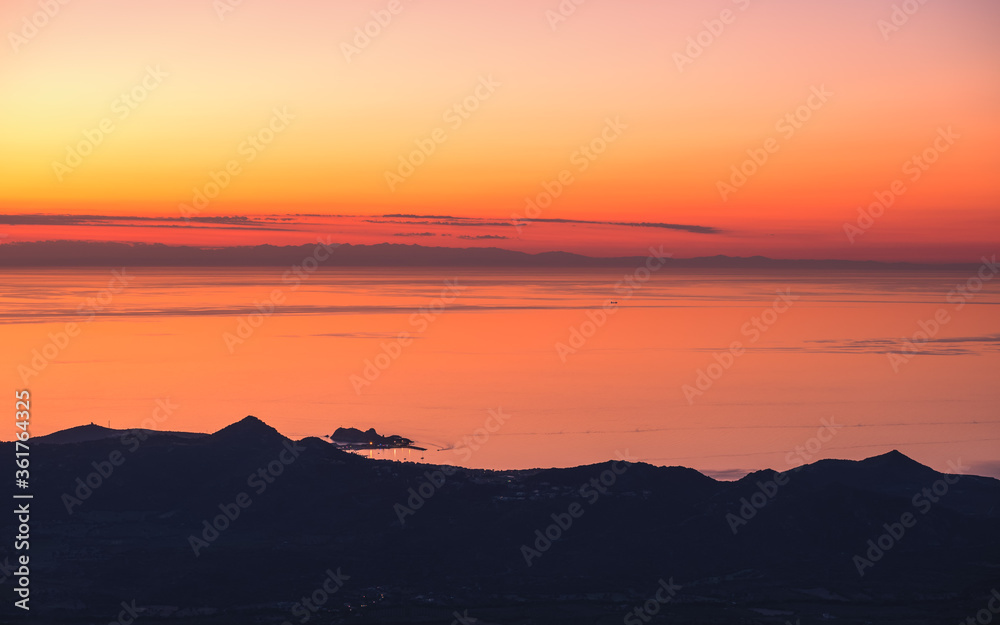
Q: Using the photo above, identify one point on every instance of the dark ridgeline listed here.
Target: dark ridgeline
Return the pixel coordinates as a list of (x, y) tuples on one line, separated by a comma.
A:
[(113, 254), (454, 542)]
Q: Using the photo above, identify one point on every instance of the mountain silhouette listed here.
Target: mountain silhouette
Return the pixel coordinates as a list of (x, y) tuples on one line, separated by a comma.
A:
[(422, 542), (896, 461), (249, 431), (93, 432), (113, 254), (78, 434)]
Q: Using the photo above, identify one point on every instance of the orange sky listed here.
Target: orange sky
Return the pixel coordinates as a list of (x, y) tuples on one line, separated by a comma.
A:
[(504, 98)]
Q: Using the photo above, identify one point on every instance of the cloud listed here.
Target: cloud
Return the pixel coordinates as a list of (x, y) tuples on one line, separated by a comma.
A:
[(348, 335), (728, 475), (989, 468), (431, 222), (448, 220), (954, 346), (133, 221), (482, 236), (632, 224), (285, 223)]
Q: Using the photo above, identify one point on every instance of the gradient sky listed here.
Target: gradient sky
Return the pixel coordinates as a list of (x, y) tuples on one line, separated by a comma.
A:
[(355, 118)]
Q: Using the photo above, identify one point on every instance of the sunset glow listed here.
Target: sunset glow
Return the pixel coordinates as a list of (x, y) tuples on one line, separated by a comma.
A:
[(521, 311), (114, 108)]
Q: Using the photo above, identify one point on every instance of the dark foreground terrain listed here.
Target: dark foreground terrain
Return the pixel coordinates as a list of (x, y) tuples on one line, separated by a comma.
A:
[(245, 526)]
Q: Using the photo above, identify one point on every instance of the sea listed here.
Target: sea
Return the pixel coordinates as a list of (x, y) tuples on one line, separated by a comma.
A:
[(725, 371)]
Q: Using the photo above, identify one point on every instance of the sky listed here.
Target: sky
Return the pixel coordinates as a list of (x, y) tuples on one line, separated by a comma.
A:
[(769, 122), (859, 129)]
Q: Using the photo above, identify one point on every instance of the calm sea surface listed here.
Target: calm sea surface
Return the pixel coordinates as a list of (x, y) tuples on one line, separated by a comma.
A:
[(724, 371)]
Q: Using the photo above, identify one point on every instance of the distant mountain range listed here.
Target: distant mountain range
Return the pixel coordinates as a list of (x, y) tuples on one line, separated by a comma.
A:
[(93, 432), (111, 254), (247, 526)]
